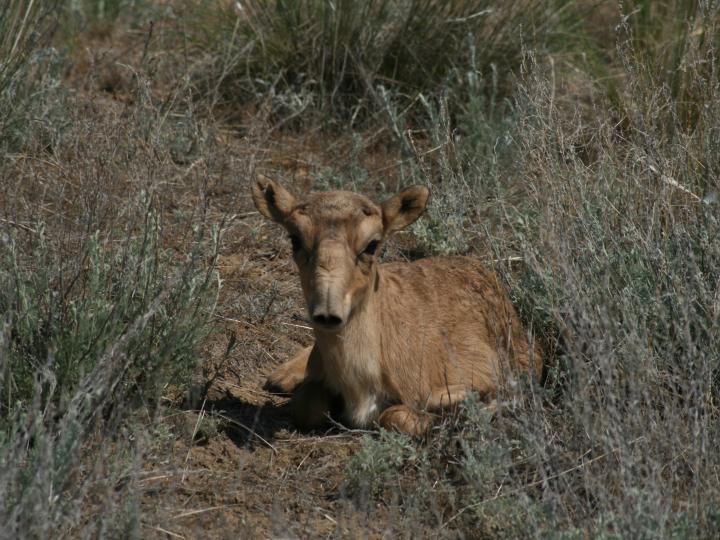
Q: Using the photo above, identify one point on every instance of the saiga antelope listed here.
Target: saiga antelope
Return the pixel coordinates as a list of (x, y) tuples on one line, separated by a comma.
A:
[(394, 342)]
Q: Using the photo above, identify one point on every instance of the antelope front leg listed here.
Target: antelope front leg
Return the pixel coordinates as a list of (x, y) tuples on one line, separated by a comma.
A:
[(310, 404), (286, 378)]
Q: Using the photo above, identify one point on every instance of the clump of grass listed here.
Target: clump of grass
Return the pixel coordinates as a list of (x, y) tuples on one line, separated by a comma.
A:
[(99, 317), (100, 10), (335, 56), (625, 253), (670, 47), (379, 461), (454, 481), (28, 68), (86, 342), (24, 29), (64, 318), (99, 18)]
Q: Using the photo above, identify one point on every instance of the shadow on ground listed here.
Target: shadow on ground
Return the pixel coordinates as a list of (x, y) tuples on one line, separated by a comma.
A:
[(246, 424)]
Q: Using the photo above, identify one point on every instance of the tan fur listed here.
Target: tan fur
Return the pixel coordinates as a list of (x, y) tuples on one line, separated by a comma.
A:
[(398, 341)]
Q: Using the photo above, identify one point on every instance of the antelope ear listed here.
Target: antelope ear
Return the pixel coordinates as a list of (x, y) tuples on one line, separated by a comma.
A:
[(272, 200), (402, 209)]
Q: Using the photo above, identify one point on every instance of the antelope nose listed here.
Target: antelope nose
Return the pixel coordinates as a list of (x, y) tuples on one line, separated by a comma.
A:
[(328, 321)]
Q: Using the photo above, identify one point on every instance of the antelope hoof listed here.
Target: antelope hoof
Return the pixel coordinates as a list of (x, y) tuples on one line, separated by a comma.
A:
[(403, 419), (283, 381)]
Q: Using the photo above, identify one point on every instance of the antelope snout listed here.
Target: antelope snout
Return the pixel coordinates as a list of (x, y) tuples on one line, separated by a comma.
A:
[(327, 310), (327, 321), (326, 292)]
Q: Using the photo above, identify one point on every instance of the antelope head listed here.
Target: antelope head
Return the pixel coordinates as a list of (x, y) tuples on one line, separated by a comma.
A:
[(336, 239)]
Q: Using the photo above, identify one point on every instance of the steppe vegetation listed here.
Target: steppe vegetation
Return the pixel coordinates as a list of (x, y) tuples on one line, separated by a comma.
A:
[(574, 146)]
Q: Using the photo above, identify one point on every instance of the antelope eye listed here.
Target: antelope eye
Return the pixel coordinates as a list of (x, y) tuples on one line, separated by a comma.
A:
[(371, 248), (296, 242)]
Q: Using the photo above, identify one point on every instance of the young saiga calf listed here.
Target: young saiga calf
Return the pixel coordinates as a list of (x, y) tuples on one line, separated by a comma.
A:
[(394, 342)]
